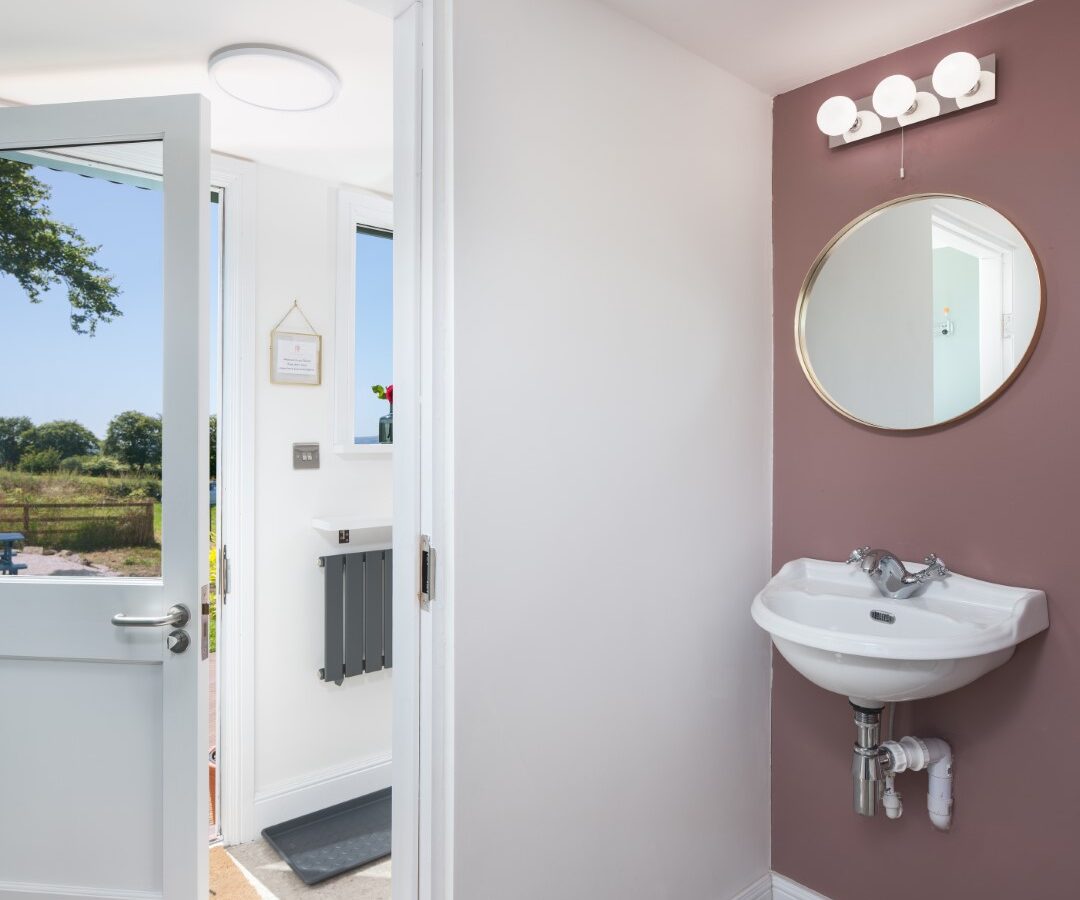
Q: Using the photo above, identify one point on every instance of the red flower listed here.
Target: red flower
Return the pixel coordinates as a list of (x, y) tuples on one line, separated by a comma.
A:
[(390, 394)]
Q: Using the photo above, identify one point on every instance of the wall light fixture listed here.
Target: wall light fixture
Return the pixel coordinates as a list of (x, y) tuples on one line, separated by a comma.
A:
[(960, 80)]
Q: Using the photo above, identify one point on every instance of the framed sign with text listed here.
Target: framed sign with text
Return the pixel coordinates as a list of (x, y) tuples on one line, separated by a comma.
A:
[(295, 356)]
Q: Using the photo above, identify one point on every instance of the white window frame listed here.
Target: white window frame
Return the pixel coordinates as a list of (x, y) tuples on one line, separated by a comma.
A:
[(365, 209)]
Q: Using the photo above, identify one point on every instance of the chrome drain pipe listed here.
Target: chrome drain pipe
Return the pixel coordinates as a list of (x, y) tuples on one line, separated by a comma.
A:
[(865, 760)]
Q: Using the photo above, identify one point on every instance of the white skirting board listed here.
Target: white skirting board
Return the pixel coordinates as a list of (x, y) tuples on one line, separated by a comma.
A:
[(771, 886), (759, 890), (17, 890), (320, 790)]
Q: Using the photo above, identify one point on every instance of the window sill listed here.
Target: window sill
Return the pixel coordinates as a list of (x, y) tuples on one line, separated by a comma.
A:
[(364, 451)]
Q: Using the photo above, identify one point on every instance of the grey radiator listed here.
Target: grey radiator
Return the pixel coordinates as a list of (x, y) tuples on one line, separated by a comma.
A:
[(359, 614)]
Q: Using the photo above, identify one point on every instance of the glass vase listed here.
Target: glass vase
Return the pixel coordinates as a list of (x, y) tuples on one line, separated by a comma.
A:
[(386, 428)]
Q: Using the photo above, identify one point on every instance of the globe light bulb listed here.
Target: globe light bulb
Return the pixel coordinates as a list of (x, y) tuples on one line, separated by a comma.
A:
[(837, 115), (895, 96), (957, 75)]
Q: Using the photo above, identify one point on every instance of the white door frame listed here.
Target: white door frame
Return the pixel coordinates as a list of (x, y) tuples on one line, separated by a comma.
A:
[(423, 456), (423, 451), (437, 773), (407, 266), (239, 347)]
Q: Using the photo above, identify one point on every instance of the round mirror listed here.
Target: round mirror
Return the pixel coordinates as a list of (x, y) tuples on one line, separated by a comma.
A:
[(919, 312)]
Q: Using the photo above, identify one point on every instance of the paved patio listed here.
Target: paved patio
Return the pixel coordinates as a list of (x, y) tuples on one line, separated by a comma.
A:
[(62, 563)]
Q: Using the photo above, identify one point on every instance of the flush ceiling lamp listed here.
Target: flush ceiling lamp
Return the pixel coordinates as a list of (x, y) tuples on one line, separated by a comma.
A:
[(274, 77), (960, 81)]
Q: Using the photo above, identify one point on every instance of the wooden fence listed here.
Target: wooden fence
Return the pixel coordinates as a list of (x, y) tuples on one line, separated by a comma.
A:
[(81, 526)]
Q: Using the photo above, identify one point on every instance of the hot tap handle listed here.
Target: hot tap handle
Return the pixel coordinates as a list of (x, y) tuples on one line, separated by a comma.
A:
[(858, 554), (935, 565)]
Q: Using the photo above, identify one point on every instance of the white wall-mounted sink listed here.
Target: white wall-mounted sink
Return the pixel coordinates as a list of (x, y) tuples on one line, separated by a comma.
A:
[(828, 620)]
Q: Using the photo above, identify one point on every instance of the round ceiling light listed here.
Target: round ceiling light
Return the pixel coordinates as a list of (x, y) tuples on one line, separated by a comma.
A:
[(274, 77)]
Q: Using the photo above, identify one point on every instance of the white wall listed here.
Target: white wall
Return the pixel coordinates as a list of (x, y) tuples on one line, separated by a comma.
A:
[(313, 740), (613, 428)]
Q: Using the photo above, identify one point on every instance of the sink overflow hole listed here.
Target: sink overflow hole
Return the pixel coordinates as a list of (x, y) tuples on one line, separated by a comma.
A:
[(880, 616)]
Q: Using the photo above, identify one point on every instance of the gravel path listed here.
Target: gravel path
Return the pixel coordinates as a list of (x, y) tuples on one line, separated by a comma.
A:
[(57, 564)]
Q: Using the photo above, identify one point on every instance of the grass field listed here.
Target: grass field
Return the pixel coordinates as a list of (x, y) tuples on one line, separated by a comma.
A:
[(144, 562), (60, 487)]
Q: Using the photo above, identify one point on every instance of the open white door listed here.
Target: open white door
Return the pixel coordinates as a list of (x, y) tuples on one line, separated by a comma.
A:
[(103, 726)]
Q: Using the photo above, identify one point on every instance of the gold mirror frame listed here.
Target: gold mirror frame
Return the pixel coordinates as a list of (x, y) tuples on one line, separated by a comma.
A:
[(823, 257)]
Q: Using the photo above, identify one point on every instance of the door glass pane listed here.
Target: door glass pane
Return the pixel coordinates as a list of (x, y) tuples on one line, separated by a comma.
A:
[(81, 312)]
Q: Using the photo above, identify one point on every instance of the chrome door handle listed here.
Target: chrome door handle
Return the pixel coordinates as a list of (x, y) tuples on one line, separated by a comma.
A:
[(177, 615)]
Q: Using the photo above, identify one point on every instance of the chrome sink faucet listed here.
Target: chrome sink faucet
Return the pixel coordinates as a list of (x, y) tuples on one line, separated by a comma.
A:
[(890, 575)]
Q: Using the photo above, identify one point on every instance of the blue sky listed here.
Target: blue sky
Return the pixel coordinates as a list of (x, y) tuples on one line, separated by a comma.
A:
[(374, 330), (54, 373)]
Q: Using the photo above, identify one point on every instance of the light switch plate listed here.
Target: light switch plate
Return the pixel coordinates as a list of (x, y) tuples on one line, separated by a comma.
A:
[(305, 456)]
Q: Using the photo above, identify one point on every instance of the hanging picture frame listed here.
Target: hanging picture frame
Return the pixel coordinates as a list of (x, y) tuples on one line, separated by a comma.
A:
[(295, 356)]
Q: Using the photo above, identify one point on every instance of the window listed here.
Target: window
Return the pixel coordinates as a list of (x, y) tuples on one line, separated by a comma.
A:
[(364, 336), (374, 339)]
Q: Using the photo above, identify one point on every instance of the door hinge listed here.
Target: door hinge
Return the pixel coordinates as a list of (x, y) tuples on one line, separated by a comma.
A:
[(427, 570), (223, 575)]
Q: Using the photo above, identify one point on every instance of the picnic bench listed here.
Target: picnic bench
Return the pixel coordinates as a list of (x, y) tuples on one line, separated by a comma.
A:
[(8, 566)]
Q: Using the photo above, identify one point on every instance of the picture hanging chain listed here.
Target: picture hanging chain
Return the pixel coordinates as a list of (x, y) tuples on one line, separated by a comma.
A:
[(295, 308)]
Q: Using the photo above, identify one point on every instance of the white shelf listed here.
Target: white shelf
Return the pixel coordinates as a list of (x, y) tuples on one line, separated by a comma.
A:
[(362, 529)]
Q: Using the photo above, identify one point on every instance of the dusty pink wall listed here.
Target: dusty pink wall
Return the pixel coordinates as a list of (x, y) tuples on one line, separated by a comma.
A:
[(998, 496)]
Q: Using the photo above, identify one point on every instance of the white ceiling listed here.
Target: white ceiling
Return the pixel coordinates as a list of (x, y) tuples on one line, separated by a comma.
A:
[(58, 50), (777, 45)]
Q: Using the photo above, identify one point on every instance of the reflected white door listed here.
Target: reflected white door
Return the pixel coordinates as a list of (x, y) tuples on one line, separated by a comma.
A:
[(103, 727)]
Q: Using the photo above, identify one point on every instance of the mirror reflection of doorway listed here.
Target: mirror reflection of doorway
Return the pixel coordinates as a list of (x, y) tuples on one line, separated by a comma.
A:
[(973, 288)]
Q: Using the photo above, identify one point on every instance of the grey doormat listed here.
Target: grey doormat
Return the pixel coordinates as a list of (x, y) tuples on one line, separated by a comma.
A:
[(335, 840)]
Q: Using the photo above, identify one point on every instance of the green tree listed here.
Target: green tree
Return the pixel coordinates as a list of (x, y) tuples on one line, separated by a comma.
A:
[(213, 447), (134, 438), (40, 252), (38, 461), (66, 437), (12, 445)]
